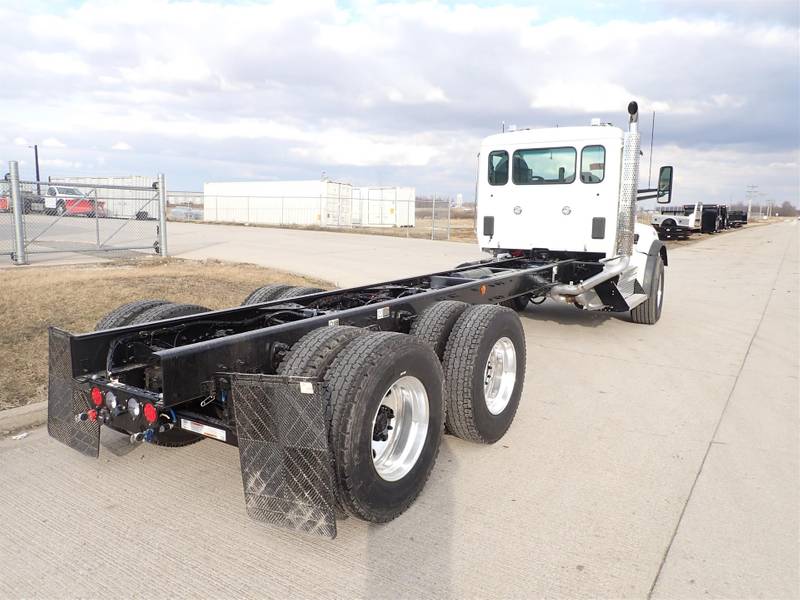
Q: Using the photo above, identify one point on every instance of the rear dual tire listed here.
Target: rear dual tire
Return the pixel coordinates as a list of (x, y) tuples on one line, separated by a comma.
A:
[(484, 370), (278, 291), (368, 378), (145, 311)]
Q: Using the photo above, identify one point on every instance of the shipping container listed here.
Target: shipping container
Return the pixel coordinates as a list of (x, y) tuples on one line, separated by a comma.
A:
[(384, 206), (319, 203)]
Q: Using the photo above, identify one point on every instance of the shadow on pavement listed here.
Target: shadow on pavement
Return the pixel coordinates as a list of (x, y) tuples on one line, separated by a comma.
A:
[(564, 314)]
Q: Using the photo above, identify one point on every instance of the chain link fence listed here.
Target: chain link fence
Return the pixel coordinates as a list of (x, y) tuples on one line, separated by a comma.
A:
[(381, 212), (128, 214), (79, 216)]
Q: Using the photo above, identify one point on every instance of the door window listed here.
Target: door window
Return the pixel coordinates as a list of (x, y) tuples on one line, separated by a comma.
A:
[(541, 166), (593, 164), (498, 167)]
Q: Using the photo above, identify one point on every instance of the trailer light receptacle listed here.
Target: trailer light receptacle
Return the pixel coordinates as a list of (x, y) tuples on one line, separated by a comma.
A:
[(150, 413), (97, 396)]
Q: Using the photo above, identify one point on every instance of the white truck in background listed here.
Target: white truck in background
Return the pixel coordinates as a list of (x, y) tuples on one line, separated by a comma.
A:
[(570, 193), (678, 221)]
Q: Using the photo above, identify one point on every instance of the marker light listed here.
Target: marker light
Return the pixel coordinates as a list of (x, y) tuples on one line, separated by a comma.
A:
[(150, 413), (111, 400), (133, 407), (97, 396)]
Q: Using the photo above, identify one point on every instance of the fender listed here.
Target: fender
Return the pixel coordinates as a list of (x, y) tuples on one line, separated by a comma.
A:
[(658, 251)]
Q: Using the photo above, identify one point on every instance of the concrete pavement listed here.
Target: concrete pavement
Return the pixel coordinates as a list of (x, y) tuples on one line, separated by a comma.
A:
[(643, 461), (347, 259)]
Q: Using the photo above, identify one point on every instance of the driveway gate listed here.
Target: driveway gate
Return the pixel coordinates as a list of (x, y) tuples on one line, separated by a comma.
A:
[(80, 216)]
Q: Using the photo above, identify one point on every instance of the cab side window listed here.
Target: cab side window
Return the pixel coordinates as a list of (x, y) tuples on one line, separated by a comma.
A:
[(51, 191), (593, 164), (498, 167)]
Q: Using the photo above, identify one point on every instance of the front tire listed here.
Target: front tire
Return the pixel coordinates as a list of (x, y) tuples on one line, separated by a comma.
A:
[(387, 423), (649, 311)]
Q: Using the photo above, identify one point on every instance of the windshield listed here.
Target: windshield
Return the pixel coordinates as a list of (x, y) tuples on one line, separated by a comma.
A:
[(69, 191), (539, 166)]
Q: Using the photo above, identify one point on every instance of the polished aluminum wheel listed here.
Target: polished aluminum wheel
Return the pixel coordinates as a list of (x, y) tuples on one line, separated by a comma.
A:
[(500, 375), (400, 428)]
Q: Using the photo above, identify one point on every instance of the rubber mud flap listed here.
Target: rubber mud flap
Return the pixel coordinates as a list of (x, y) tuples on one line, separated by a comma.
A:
[(286, 465), (65, 399)]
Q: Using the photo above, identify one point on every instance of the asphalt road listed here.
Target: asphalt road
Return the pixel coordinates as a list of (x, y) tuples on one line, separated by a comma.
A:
[(656, 461)]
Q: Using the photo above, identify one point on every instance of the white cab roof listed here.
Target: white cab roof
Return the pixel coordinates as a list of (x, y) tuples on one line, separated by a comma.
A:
[(552, 135)]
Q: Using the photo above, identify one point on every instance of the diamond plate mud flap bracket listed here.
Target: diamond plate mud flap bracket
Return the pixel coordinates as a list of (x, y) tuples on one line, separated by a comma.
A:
[(67, 398), (283, 449)]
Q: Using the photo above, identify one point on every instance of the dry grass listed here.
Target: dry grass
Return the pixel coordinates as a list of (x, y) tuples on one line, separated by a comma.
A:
[(75, 297), (461, 228)]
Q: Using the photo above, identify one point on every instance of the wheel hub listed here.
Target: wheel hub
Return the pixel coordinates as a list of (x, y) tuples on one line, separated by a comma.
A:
[(500, 375), (400, 428)]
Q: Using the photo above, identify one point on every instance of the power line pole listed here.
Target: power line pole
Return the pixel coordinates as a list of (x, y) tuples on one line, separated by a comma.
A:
[(650, 167), (751, 191)]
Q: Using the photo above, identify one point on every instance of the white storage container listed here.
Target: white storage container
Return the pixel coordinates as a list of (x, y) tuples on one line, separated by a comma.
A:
[(316, 203), (384, 206)]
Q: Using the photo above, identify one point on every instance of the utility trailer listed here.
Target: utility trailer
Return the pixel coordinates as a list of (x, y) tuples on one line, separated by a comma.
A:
[(715, 218), (338, 400), (737, 218), (677, 221)]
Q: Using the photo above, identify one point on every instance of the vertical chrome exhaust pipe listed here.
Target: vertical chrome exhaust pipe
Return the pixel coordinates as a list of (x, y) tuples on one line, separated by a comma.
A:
[(629, 185)]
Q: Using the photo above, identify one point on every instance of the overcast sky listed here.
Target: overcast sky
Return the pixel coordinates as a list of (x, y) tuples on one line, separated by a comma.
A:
[(393, 93)]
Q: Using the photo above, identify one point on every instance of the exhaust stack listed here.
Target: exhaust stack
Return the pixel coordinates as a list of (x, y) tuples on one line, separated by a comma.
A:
[(626, 217)]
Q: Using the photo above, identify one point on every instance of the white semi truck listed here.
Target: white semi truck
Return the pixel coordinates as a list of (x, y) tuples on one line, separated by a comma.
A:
[(337, 400), (571, 193)]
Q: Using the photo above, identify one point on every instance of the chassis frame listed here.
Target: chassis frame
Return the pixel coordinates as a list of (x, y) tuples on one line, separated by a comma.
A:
[(214, 374)]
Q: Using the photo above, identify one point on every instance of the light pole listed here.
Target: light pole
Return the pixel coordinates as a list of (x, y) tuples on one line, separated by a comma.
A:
[(36, 162)]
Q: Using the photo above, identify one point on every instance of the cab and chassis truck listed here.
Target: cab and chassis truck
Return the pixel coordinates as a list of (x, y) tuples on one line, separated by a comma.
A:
[(338, 400)]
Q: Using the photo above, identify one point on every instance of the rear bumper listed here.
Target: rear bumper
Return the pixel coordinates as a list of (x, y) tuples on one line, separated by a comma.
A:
[(280, 429)]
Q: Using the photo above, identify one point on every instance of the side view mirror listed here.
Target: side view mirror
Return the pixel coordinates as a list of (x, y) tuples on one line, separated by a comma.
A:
[(664, 191)]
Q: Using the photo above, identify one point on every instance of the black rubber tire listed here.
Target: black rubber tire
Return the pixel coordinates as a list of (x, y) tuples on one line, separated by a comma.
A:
[(167, 311), (473, 337), (478, 273), (474, 263), (434, 325), (313, 353), (294, 292), (265, 293), (517, 304), (176, 438), (649, 311), (123, 315), (358, 380)]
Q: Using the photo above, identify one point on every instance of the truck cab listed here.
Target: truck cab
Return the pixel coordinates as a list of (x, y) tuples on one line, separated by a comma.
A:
[(570, 193), (554, 189)]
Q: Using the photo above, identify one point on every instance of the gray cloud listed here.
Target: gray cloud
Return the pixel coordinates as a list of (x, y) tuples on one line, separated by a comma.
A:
[(390, 93)]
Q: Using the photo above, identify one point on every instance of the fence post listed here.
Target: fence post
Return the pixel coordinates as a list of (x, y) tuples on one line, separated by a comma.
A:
[(448, 219), (96, 221), (433, 218), (162, 215), (19, 226)]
